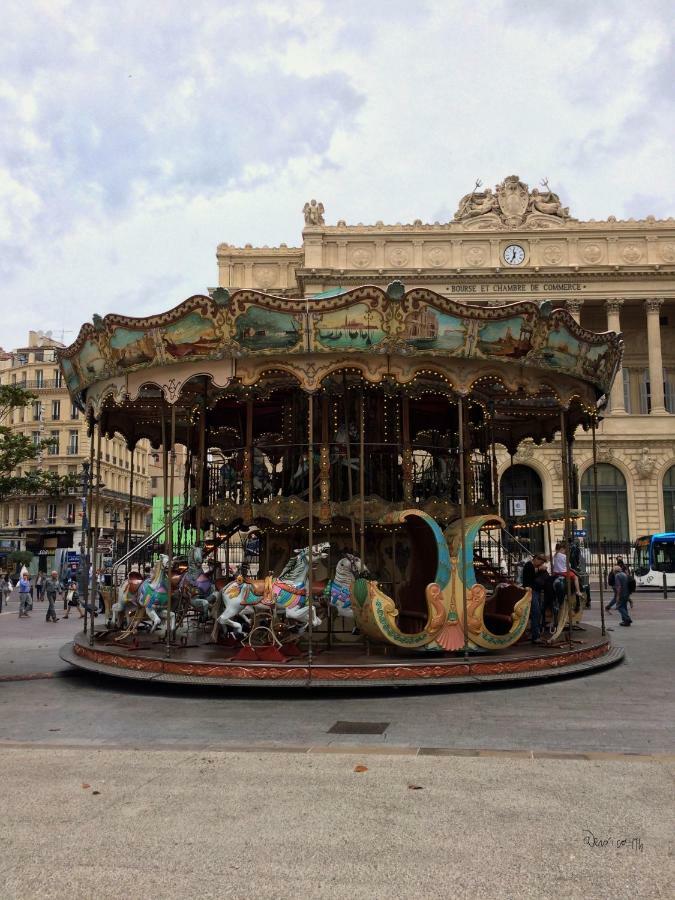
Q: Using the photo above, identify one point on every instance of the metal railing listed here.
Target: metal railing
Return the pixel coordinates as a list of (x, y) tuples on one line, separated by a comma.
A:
[(282, 470)]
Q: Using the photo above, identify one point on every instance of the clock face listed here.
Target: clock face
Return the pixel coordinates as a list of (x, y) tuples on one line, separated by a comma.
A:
[(513, 255)]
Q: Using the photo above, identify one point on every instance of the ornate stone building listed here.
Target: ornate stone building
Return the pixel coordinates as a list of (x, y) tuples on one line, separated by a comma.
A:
[(506, 244), (43, 524)]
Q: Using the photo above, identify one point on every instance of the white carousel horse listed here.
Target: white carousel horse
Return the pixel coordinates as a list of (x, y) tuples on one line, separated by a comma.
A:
[(338, 591), (287, 593)]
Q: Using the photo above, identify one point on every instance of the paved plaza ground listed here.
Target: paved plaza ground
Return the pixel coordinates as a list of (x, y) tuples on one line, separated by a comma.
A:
[(122, 789)]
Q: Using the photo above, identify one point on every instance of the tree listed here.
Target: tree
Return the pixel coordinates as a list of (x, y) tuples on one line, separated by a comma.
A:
[(17, 449)]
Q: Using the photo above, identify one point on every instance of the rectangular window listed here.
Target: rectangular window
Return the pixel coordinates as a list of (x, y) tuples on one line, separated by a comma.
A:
[(57, 378), (39, 378), (32, 513), (73, 443), (39, 356), (56, 410), (153, 481), (669, 389), (51, 514), (645, 393), (37, 411), (626, 391), (74, 412), (54, 447), (70, 513), (36, 438)]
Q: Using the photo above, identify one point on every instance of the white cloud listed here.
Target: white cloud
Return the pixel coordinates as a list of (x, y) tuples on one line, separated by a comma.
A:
[(134, 139)]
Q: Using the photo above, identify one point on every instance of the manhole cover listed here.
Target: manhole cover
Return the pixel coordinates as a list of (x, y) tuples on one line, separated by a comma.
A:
[(359, 728)]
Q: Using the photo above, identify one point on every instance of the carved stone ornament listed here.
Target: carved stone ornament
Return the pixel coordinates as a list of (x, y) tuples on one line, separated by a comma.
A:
[(552, 254), (361, 257), (264, 276), (613, 306), (510, 205), (574, 306), (513, 197), (437, 256), (631, 253), (667, 252), (475, 256), (591, 253), (313, 213), (653, 305), (646, 463), (398, 256), (604, 453), (525, 451)]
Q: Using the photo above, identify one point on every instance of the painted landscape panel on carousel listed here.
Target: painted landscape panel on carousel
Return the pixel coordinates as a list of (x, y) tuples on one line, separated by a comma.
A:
[(192, 336), (508, 338), (354, 328), (87, 366), (430, 329), (130, 348), (564, 351), (264, 329)]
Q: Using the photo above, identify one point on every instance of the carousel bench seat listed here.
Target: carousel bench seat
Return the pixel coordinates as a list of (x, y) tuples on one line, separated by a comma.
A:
[(498, 609)]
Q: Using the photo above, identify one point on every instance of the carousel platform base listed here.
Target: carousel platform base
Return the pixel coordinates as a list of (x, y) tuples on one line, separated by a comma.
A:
[(203, 662)]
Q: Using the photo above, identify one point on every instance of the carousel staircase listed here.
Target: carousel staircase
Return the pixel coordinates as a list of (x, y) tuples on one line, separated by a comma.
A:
[(124, 563)]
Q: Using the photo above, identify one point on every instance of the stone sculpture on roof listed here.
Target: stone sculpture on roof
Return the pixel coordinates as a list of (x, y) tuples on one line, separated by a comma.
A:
[(511, 205), (313, 212)]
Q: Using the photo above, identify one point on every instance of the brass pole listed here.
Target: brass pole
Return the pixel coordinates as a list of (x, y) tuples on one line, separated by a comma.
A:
[(349, 461), (362, 478), (596, 510), (310, 513), (201, 463), (93, 600), (462, 513), (89, 511), (131, 501), (566, 510), (169, 525)]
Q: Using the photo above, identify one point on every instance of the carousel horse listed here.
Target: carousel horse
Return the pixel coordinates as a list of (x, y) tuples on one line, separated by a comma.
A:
[(338, 591), (287, 594), (152, 592), (195, 587)]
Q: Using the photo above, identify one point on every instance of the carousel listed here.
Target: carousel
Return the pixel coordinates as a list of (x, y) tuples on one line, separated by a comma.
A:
[(338, 522)]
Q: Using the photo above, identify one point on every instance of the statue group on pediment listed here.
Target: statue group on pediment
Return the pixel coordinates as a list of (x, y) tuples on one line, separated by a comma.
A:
[(313, 213), (511, 204)]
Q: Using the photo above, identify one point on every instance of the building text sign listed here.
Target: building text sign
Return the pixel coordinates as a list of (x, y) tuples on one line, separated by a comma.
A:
[(531, 287)]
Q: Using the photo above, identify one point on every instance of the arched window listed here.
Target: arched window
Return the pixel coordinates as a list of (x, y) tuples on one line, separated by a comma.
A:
[(612, 504), (669, 498), (522, 494)]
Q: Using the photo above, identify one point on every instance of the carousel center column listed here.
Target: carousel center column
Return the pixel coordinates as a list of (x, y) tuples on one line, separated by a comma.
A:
[(658, 404), (613, 308)]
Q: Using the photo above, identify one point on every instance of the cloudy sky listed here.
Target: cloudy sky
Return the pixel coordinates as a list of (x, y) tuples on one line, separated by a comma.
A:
[(137, 136)]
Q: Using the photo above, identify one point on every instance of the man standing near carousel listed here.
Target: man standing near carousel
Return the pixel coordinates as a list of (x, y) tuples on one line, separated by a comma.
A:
[(52, 588)]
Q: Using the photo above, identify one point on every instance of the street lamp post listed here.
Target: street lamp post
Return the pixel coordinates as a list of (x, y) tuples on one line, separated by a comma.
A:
[(84, 549), (114, 521), (127, 533)]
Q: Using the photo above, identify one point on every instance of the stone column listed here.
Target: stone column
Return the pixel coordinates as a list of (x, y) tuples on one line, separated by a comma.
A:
[(573, 307), (653, 307), (613, 308)]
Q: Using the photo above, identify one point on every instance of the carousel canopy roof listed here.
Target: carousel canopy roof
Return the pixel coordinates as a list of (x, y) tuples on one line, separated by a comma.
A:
[(519, 358)]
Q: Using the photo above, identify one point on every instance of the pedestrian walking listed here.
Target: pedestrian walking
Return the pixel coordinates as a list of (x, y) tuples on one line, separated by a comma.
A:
[(73, 600), (25, 594), (6, 588), (622, 595), (40, 587), (52, 588)]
